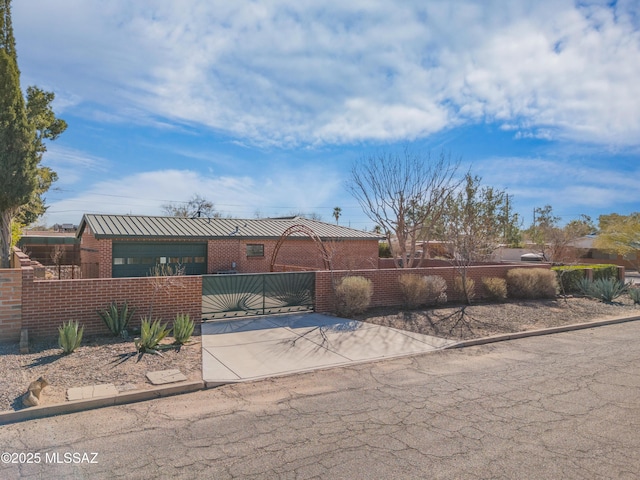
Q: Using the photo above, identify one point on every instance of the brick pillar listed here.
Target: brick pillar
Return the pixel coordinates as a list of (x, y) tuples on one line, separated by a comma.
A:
[(10, 304)]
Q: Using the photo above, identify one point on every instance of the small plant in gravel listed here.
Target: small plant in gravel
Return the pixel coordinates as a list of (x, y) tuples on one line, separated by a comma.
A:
[(495, 288), (70, 336), (151, 334), (117, 318), (354, 295), (603, 289), (634, 293), (182, 329)]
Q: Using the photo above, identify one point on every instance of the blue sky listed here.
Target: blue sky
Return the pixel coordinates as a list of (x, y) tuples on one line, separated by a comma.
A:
[(263, 106)]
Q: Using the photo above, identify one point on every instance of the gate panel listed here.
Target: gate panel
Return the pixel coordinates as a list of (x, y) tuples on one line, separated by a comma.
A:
[(240, 295)]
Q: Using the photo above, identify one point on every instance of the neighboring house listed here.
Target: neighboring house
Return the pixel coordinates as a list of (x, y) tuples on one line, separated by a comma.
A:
[(50, 248), (589, 254), (130, 245)]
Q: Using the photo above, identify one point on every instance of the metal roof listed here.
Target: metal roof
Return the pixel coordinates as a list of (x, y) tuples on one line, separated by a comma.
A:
[(137, 226)]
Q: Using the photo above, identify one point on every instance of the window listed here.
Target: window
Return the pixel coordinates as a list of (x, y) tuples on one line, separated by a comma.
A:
[(255, 250), (119, 261)]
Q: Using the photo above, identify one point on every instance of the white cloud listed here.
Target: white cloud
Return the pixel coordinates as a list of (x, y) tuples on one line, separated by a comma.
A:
[(145, 193), (72, 165), (569, 186), (285, 72)]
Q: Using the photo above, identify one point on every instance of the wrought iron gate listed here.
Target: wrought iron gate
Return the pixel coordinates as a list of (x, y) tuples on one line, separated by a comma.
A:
[(239, 295)]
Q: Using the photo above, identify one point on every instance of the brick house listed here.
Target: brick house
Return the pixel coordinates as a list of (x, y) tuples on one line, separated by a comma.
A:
[(129, 245)]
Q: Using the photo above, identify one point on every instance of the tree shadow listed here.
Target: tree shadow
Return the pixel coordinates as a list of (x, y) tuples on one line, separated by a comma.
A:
[(459, 320)]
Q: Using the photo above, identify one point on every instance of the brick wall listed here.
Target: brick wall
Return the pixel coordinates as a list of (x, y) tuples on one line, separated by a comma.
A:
[(223, 253), (47, 304), (386, 291), (294, 252), (95, 255)]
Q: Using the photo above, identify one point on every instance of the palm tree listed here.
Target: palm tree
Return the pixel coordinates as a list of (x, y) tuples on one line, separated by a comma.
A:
[(336, 213)]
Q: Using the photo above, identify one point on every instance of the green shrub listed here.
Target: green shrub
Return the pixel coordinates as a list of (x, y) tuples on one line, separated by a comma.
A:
[(495, 288), (604, 289), (384, 251), (436, 289), (604, 271), (117, 318), (569, 276), (353, 294), (151, 334), (531, 283), (182, 329), (69, 336), (634, 293), (458, 287)]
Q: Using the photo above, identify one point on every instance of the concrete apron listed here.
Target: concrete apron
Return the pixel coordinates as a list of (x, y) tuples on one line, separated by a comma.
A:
[(259, 347)]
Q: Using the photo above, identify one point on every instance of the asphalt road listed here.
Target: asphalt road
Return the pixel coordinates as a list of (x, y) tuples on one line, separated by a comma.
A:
[(565, 406)]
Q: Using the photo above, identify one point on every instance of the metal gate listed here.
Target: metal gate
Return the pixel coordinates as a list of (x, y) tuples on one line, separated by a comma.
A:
[(240, 295)]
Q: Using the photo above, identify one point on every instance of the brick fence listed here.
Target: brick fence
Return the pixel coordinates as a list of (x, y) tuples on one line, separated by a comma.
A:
[(386, 290), (41, 306)]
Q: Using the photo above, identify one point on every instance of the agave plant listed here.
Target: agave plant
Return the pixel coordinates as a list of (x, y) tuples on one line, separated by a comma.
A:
[(182, 329), (604, 289), (69, 336), (117, 318), (151, 334), (634, 293)]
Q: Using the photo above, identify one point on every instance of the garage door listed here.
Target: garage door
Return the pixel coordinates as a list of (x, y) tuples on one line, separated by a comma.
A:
[(137, 259)]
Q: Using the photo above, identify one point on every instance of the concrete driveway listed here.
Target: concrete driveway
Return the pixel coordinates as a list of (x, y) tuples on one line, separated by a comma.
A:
[(248, 349)]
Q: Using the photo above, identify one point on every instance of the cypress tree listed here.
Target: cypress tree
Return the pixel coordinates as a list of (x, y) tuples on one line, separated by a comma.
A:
[(18, 164), (23, 126)]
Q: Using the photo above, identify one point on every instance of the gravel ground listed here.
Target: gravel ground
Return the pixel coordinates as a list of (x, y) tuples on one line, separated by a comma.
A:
[(483, 320), (99, 360), (108, 360)]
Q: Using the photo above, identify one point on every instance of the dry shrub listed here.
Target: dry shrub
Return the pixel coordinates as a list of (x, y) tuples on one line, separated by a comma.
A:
[(458, 287), (417, 290), (531, 283), (353, 294), (413, 289), (436, 289), (495, 288)]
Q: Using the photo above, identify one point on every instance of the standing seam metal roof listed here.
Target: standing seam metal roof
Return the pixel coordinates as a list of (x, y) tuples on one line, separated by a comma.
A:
[(136, 226)]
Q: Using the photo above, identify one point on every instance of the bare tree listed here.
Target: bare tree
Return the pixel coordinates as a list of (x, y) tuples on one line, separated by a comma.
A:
[(197, 206), (57, 257), (405, 194), (554, 242)]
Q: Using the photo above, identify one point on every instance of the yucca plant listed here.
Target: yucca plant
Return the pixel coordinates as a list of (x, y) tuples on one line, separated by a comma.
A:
[(151, 334), (117, 318), (182, 329), (69, 336)]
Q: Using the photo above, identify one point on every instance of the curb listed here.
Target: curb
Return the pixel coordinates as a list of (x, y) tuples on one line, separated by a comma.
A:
[(100, 402), (544, 331)]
